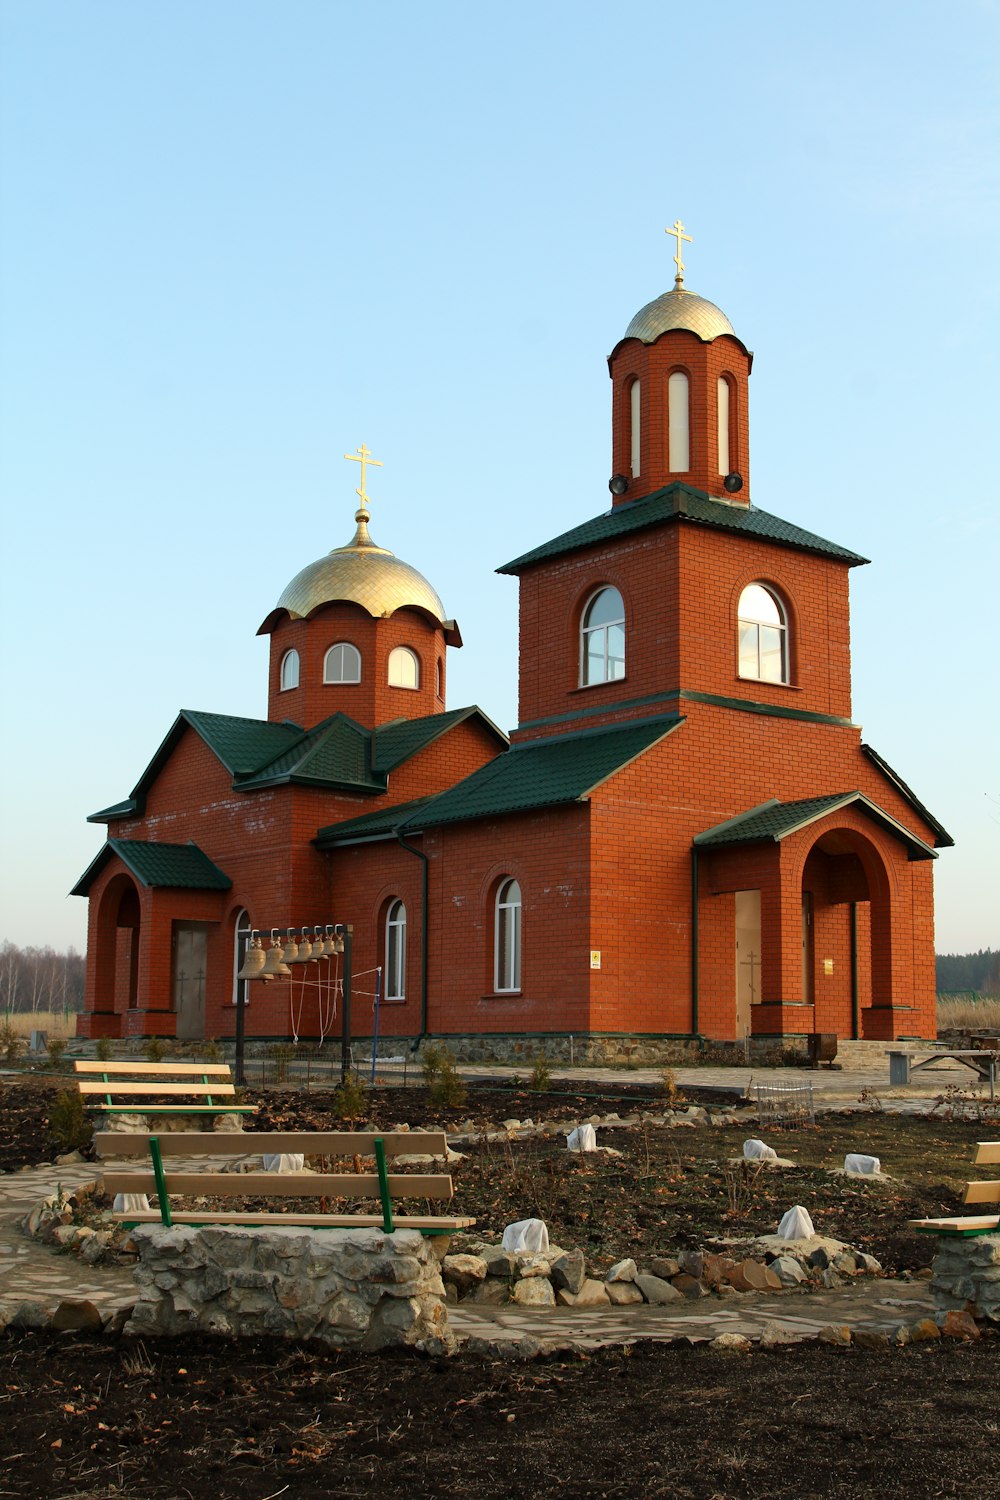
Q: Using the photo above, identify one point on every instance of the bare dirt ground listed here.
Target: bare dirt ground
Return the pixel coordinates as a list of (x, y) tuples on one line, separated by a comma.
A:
[(83, 1417)]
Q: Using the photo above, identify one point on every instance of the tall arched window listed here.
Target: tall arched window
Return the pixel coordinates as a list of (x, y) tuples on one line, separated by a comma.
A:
[(404, 668), (241, 942), (678, 423), (342, 663), (763, 636), (602, 638), (395, 951), (635, 426), (289, 670), (507, 939), (439, 678), (723, 416)]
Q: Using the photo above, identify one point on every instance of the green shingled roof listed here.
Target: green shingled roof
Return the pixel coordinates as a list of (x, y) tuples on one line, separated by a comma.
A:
[(775, 820), (178, 866), (543, 773), (242, 745), (402, 739), (681, 502), (376, 825), (335, 753)]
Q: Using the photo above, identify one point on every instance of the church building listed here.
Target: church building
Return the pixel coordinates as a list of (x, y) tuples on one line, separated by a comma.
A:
[(685, 836)]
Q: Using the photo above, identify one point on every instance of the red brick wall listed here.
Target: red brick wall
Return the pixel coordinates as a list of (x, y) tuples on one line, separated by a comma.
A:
[(370, 701), (652, 364)]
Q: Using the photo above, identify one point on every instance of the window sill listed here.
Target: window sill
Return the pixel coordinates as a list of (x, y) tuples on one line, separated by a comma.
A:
[(789, 687), (393, 1000), (504, 995), (589, 687)]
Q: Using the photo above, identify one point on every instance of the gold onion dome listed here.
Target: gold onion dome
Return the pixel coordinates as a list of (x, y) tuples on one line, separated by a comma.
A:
[(360, 573), (679, 309)]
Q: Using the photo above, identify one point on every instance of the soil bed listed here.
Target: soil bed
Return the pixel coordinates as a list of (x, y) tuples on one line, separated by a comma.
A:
[(88, 1418)]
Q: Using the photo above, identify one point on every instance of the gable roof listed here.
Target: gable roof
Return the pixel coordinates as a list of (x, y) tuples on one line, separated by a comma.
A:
[(338, 753), (178, 866), (942, 839), (679, 502), (369, 826), (544, 773), (774, 821)]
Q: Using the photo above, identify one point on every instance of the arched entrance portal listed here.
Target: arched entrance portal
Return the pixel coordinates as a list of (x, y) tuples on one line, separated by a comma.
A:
[(846, 931), (116, 956)]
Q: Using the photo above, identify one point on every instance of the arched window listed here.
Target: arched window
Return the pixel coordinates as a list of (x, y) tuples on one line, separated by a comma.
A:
[(241, 942), (395, 951), (723, 417), (404, 668), (289, 670), (763, 636), (439, 678), (602, 638), (507, 940), (678, 423), (342, 663), (635, 426)]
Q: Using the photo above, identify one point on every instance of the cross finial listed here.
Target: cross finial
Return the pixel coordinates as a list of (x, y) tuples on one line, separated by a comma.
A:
[(364, 458), (678, 233)]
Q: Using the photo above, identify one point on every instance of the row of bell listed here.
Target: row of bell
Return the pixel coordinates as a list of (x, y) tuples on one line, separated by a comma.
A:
[(273, 962)]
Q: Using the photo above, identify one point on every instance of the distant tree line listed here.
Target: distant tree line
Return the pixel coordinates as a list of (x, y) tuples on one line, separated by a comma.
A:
[(34, 979), (959, 973)]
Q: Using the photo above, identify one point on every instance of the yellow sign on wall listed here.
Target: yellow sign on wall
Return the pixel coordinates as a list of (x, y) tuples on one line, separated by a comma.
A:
[(595, 958)]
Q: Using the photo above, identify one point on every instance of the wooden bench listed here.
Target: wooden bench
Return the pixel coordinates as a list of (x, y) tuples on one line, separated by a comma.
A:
[(127, 1087), (984, 1063), (380, 1184), (987, 1154)]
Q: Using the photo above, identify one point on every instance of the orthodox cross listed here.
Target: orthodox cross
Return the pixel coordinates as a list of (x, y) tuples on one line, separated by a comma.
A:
[(678, 233), (751, 962), (364, 458)]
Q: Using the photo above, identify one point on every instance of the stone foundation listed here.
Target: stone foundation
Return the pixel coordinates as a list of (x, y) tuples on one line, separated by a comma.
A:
[(349, 1288), (966, 1276)]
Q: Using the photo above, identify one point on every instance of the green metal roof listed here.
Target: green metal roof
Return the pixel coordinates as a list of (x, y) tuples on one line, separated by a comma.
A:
[(370, 826), (543, 773), (774, 821), (942, 839), (114, 814), (178, 866), (403, 738), (335, 753), (242, 745), (681, 502)]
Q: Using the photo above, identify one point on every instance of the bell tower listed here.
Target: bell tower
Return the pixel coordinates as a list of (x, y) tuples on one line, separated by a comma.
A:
[(680, 383)]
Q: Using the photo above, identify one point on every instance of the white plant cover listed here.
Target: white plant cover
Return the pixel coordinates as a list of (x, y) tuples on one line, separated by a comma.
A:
[(757, 1151), (583, 1138), (293, 1163), (796, 1225), (868, 1165), (130, 1203), (526, 1234)]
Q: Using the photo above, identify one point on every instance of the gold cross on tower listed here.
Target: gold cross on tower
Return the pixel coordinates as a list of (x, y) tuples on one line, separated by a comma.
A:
[(678, 233), (364, 458)]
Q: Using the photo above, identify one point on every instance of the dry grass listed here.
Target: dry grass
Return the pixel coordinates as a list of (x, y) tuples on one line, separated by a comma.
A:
[(960, 1013), (53, 1022)]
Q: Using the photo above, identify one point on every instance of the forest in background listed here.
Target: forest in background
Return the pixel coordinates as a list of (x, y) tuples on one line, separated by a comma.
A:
[(41, 979)]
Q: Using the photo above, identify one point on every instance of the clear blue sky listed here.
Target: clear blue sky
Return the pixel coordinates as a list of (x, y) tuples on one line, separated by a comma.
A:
[(239, 238)]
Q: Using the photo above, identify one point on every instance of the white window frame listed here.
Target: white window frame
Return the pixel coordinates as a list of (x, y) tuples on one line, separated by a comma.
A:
[(289, 669), (749, 628), (398, 656), (586, 631), (241, 942), (394, 973), (724, 395), (507, 938), (635, 427), (349, 654)]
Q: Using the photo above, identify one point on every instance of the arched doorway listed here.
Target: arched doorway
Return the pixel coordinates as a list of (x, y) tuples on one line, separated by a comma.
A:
[(846, 931)]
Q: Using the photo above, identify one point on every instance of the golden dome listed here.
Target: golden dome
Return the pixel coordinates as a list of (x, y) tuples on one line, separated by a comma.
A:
[(360, 573), (679, 309)]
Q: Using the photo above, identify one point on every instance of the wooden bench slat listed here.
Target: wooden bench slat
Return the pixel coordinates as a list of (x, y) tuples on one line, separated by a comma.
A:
[(155, 1090), (987, 1224), (981, 1192), (282, 1184), (987, 1153), (311, 1221), (176, 1109), (110, 1143), (152, 1070)]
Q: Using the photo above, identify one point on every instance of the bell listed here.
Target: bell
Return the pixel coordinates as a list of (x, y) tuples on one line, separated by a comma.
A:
[(317, 946), (328, 948), (253, 960), (274, 963), (338, 943), (291, 949), (305, 949)]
